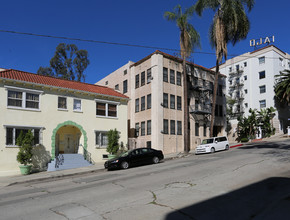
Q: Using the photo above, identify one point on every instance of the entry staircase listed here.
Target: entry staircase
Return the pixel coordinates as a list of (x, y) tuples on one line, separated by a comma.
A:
[(68, 161)]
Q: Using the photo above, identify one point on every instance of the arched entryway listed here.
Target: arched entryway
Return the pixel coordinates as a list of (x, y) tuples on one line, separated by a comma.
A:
[(67, 137)]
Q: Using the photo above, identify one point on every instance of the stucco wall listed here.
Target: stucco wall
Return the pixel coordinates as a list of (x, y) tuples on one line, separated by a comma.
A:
[(49, 117)]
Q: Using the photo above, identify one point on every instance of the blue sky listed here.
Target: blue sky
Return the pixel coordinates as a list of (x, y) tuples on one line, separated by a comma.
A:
[(126, 21)]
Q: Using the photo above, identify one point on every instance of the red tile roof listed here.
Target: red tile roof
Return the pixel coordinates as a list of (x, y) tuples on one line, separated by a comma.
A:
[(56, 82)]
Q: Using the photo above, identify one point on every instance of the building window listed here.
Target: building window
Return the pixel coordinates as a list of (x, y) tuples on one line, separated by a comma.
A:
[(179, 128), (230, 69), (101, 138), (172, 101), (165, 126), (142, 103), (137, 130), (143, 78), (220, 89), (149, 127), (61, 104), (143, 128), (246, 105), (172, 127), (137, 105), (148, 75), (106, 109), (117, 87), (148, 144), (106, 83), (178, 102), (245, 77), (112, 110), (245, 64), (101, 109), (262, 103), (246, 91), (220, 110), (12, 133), (172, 76), (261, 60), (149, 101), (196, 129), (137, 81), (23, 99), (178, 78), (77, 105), (125, 86), (165, 74), (262, 89), (165, 100), (125, 72), (204, 130), (262, 75), (237, 67)]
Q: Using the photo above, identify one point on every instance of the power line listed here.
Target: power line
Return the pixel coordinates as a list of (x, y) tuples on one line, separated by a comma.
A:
[(116, 43)]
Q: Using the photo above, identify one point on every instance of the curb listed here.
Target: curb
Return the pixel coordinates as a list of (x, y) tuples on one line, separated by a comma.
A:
[(237, 145)]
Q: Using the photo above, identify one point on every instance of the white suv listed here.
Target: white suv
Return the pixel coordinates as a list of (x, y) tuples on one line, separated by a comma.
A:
[(213, 144)]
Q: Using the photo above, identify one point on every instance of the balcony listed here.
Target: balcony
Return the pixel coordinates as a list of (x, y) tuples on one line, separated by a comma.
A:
[(237, 84), (200, 109), (236, 72), (201, 85)]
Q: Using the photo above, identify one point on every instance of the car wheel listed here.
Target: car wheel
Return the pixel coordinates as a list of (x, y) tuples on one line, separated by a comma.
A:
[(125, 165), (227, 147), (212, 150), (155, 160)]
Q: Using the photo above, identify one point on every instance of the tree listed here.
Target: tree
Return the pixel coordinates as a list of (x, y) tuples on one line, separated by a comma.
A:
[(282, 87), (113, 141), (189, 39), (68, 63), (230, 24), (265, 117)]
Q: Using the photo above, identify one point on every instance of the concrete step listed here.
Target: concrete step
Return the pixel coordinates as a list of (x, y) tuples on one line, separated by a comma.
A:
[(71, 161)]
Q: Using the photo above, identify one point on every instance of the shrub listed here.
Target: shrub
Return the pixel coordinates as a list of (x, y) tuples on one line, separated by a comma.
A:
[(113, 141), (244, 139), (25, 142)]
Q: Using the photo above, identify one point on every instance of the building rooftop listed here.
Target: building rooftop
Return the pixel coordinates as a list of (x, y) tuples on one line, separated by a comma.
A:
[(22, 76)]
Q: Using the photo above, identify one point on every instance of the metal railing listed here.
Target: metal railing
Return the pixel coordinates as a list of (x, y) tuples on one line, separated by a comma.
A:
[(87, 155), (59, 159)]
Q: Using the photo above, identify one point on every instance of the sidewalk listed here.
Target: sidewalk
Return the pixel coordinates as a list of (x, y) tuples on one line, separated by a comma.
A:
[(42, 176), (98, 167)]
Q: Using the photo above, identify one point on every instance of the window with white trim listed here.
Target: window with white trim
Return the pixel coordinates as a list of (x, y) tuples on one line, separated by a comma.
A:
[(77, 105), (13, 132), (143, 128), (61, 103), (261, 60), (106, 109), (22, 99), (262, 103), (101, 138)]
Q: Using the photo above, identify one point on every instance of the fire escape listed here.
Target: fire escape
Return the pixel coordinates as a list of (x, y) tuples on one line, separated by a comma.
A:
[(236, 84), (201, 91)]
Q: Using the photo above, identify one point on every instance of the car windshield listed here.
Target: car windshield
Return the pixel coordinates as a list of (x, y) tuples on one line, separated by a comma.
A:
[(126, 153), (207, 141)]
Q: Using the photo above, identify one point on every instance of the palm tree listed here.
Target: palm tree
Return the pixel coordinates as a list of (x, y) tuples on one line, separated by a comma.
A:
[(189, 38), (230, 24), (282, 87)]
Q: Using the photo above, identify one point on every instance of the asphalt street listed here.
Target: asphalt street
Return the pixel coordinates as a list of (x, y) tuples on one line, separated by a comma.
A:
[(249, 182)]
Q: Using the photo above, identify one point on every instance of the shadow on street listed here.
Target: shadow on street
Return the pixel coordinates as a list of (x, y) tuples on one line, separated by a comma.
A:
[(267, 199), (280, 145)]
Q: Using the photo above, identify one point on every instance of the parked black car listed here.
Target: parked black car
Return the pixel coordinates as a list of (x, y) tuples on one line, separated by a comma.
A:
[(135, 157)]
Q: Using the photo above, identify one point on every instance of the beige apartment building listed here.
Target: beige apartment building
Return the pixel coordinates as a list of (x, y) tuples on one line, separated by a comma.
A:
[(155, 109)]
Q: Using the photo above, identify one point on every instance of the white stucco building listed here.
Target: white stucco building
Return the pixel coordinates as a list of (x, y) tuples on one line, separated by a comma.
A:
[(64, 116), (251, 80)]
